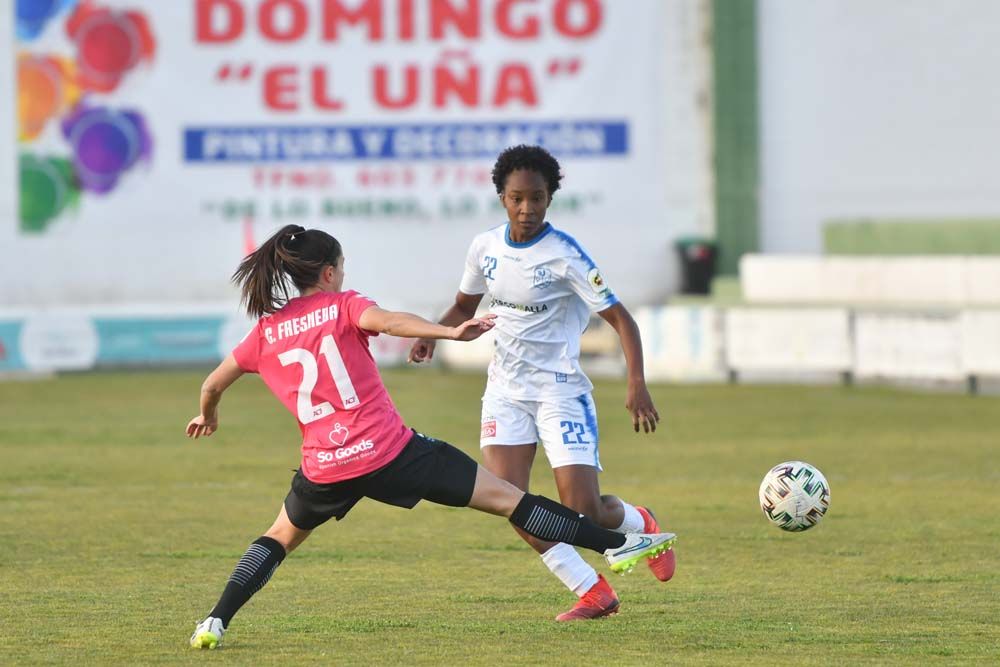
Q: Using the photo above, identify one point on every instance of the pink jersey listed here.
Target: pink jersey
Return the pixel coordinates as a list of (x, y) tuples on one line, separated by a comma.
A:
[(314, 357)]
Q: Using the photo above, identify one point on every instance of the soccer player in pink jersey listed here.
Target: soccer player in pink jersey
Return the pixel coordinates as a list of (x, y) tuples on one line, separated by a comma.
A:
[(312, 353)]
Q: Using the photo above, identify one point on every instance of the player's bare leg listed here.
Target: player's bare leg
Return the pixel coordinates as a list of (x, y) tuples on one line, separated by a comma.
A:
[(596, 596), (513, 464), (548, 520), (286, 533), (579, 489)]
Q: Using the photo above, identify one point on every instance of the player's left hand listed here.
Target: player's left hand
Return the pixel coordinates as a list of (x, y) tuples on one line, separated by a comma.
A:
[(202, 425), (640, 404)]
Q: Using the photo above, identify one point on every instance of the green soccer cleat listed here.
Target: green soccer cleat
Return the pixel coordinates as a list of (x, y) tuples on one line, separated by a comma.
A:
[(208, 634), (638, 546)]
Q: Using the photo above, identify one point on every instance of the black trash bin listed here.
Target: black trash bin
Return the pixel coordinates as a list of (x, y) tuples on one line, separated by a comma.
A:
[(697, 257)]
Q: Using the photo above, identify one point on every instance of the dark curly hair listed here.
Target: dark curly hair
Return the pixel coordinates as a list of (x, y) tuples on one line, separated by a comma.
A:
[(533, 158)]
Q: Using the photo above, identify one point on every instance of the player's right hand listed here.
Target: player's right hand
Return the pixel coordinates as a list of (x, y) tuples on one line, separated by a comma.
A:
[(202, 425), (422, 350)]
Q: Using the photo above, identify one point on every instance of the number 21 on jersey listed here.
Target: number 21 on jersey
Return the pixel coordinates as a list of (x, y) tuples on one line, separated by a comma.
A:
[(309, 412)]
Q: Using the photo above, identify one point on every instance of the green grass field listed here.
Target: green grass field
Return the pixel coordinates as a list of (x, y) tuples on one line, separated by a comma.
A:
[(117, 534)]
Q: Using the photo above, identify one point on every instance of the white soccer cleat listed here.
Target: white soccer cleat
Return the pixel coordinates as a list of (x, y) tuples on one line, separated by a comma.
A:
[(638, 546), (208, 634)]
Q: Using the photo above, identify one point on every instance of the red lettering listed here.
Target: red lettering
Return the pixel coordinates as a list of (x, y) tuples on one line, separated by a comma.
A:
[(446, 83), (269, 28), (319, 92), (281, 88), (515, 83), (409, 96), (528, 29), (406, 27), (591, 17), (207, 32), (277, 179), (370, 12), (443, 13)]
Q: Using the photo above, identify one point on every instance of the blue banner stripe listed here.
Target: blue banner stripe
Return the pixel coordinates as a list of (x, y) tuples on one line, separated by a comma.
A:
[(436, 141), (10, 346), (156, 340)]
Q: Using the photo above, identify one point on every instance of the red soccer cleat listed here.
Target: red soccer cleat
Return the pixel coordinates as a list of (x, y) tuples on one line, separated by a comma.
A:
[(599, 601), (662, 566)]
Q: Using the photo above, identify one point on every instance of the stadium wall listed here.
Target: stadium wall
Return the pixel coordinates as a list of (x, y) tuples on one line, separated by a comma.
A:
[(875, 109), (8, 123)]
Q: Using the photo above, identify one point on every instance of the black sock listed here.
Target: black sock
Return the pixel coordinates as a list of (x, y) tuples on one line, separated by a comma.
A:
[(548, 520), (252, 572)]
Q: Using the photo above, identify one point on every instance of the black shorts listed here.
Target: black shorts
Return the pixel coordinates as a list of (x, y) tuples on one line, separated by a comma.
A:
[(426, 469)]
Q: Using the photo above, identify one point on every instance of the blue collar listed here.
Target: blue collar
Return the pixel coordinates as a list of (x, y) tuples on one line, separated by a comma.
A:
[(527, 244)]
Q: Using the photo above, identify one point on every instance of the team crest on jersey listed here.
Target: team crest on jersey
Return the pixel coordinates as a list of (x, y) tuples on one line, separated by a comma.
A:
[(596, 281), (543, 278)]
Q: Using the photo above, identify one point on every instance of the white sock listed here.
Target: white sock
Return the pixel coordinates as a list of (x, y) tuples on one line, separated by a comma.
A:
[(569, 566), (633, 521)]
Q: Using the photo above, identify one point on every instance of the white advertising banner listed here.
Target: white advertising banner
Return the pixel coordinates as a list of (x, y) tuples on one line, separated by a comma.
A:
[(908, 346), (981, 342), (799, 340), (918, 280), (681, 342), (159, 141)]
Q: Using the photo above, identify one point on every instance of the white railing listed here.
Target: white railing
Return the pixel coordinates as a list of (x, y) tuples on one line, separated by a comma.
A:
[(868, 344), (948, 281)]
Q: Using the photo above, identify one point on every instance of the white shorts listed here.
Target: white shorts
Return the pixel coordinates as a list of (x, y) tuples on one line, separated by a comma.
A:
[(566, 427)]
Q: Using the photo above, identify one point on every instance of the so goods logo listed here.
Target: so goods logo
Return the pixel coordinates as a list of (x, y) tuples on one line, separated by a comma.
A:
[(345, 452)]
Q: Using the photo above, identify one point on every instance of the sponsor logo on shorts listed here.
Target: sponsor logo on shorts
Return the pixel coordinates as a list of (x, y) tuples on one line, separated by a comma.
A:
[(489, 429)]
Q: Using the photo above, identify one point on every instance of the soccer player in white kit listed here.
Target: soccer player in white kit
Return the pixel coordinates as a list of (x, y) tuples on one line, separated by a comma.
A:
[(312, 352), (543, 286)]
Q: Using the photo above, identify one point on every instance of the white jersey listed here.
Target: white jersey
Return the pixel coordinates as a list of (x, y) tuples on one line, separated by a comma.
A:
[(542, 293)]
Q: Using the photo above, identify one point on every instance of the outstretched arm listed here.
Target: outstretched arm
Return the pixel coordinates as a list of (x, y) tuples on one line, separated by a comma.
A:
[(211, 393), (408, 325), (638, 401), (463, 309)]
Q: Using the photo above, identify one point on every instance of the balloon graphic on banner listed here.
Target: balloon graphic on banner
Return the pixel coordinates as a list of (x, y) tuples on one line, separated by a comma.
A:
[(106, 143), (45, 89), (47, 187), (103, 143), (109, 45), (32, 15)]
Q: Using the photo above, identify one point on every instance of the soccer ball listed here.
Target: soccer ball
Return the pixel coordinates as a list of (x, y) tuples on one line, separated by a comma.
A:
[(794, 496)]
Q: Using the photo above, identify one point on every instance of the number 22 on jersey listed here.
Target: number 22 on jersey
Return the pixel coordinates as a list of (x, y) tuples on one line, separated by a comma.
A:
[(308, 411)]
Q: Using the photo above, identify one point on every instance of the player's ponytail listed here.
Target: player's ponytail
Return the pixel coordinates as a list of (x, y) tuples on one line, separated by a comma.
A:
[(292, 253)]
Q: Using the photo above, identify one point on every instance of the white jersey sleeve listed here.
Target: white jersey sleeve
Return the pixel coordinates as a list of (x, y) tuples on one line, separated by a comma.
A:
[(473, 278), (586, 281)]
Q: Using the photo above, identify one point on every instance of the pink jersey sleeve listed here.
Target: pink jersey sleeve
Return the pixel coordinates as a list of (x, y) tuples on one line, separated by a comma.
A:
[(354, 304), (247, 353)]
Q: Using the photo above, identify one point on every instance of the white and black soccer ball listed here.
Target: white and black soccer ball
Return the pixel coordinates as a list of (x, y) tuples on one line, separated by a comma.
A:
[(794, 495)]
